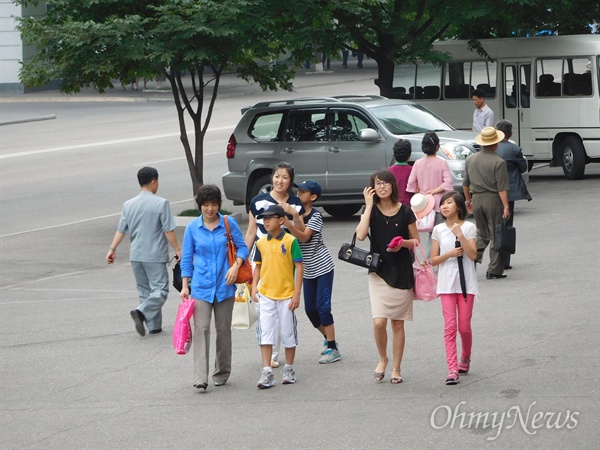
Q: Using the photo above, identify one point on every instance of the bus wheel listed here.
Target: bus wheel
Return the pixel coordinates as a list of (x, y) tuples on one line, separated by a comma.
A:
[(573, 160)]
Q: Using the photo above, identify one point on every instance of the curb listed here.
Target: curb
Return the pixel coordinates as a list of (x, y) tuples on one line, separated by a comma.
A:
[(31, 119)]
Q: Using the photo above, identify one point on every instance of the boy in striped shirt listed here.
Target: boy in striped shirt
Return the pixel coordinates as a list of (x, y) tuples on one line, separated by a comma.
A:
[(318, 268)]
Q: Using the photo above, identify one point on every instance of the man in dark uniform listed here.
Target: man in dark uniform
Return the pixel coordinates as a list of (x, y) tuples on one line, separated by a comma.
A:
[(486, 187)]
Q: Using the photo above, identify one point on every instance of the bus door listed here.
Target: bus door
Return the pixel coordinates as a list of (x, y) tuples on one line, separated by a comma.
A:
[(516, 79)]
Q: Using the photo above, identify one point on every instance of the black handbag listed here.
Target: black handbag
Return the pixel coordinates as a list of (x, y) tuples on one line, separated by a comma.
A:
[(505, 239), (177, 283), (359, 257)]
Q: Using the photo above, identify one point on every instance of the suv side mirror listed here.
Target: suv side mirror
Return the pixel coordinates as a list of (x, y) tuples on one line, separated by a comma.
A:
[(369, 134)]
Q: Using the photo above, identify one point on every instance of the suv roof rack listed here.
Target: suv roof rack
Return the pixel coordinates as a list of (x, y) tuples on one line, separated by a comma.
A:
[(293, 101), (359, 97), (336, 98)]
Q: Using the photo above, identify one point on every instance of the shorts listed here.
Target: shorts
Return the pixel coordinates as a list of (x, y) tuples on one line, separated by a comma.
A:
[(269, 313)]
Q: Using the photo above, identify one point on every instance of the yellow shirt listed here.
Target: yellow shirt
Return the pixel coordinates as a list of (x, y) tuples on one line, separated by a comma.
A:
[(276, 256)]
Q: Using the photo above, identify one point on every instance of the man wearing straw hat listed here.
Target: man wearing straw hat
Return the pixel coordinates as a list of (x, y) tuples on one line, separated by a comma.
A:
[(486, 188)]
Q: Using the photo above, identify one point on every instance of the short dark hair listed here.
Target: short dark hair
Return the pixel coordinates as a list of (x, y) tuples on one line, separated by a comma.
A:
[(506, 127), (388, 177), (460, 202), (402, 150), (146, 174), (478, 93), (430, 142), (208, 193)]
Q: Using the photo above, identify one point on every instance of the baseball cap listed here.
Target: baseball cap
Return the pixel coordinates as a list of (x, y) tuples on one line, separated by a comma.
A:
[(311, 186), (273, 210)]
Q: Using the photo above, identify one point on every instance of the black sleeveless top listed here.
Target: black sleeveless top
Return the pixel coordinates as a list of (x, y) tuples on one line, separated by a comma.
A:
[(396, 267)]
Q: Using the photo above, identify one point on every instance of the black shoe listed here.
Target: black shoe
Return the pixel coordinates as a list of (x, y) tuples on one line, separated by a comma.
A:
[(159, 330), (138, 318), (492, 276), (201, 386), (507, 267)]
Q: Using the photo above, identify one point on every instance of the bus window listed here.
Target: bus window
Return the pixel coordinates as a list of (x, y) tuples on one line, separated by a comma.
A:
[(457, 74), (525, 72), (510, 86), (577, 79), (548, 76), (404, 81), (429, 77), (483, 76)]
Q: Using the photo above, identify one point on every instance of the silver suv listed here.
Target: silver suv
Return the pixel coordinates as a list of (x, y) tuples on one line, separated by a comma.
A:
[(337, 141)]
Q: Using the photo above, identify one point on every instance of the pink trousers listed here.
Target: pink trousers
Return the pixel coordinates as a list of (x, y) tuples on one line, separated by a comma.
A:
[(451, 303)]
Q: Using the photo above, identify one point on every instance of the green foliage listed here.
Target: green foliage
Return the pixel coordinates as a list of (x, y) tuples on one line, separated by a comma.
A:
[(91, 43)]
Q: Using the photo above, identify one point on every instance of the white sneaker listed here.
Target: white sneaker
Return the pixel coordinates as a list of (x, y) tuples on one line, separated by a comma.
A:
[(324, 347), (330, 356), (267, 379), (289, 376)]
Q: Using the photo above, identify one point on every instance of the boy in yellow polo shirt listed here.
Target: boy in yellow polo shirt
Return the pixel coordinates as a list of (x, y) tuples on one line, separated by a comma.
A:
[(280, 272)]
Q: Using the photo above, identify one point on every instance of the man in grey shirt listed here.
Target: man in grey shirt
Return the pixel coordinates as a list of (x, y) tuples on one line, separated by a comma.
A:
[(151, 226)]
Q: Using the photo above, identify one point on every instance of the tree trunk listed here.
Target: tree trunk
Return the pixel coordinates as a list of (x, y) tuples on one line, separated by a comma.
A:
[(385, 81)]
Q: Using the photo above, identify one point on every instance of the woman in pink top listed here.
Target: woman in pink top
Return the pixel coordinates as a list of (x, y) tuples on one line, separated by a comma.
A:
[(431, 175)]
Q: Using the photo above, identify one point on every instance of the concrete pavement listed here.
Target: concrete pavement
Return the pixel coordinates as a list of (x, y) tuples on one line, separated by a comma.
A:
[(74, 374)]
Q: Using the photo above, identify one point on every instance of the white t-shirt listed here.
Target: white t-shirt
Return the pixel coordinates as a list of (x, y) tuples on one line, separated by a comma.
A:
[(448, 275)]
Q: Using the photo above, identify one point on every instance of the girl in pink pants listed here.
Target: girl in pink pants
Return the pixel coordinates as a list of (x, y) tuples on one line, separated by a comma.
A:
[(453, 244)]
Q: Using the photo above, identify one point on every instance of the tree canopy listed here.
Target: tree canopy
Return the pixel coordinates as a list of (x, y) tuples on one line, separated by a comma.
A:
[(91, 43), (400, 31)]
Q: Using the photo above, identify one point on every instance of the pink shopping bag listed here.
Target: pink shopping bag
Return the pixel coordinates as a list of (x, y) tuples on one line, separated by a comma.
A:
[(182, 332)]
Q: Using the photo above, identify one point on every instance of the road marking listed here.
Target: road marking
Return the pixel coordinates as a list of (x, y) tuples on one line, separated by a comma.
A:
[(77, 222), (103, 143)]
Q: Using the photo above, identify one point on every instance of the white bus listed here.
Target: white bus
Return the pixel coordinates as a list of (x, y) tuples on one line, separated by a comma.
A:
[(548, 87)]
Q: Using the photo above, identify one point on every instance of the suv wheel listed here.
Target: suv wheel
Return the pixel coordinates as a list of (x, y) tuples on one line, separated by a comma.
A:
[(342, 210), (261, 185)]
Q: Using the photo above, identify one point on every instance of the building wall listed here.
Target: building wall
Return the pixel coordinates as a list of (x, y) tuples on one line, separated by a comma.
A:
[(11, 47)]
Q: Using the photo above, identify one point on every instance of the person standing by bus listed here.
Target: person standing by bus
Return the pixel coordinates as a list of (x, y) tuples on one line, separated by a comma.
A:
[(483, 116), (486, 185), (516, 165)]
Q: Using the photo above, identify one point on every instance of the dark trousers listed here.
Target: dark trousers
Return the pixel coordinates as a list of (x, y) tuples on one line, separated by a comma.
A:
[(487, 210), (509, 222)]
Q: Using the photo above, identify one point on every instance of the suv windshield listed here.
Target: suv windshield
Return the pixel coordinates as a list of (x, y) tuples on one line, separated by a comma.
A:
[(408, 119)]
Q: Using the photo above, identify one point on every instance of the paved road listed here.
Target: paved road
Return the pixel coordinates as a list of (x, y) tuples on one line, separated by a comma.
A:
[(74, 374)]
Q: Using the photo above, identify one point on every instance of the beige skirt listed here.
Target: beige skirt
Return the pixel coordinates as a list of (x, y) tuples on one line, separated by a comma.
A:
[(388, 302)]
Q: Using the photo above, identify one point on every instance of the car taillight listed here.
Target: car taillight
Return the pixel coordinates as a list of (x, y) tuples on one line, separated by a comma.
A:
[(231, 147)]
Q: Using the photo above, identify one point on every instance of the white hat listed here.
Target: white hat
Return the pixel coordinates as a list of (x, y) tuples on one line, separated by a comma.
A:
[(422, 204)]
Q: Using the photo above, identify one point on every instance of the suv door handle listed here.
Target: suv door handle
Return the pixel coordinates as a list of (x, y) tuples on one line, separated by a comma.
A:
[(289, 150), (333, 149)]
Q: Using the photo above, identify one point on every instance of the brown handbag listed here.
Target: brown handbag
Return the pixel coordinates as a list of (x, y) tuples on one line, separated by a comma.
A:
[(245, 270)]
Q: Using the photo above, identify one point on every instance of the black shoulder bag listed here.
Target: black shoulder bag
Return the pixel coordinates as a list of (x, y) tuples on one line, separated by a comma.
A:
[(359, 257)]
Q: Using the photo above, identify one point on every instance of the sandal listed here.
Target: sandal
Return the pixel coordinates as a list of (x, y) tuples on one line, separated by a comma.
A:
[(379, 376), (274, 364), (463, 366), (452, 378), (396, 380)]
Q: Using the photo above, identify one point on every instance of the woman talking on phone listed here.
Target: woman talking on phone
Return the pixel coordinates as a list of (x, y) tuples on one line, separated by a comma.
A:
[(391, 286)]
